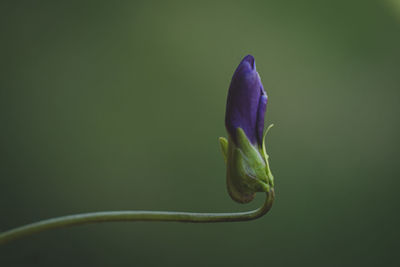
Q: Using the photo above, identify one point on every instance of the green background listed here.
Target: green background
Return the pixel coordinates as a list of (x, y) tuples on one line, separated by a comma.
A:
[(118, 105)]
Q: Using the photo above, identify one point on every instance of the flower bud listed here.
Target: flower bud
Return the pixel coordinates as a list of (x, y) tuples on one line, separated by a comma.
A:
[(244, 152)]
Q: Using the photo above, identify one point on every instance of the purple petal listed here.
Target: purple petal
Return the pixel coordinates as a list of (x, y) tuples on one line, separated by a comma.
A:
[(262, 108), (246, 104)]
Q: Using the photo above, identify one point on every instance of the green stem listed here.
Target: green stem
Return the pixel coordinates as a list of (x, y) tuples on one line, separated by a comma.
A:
[(119, 216)]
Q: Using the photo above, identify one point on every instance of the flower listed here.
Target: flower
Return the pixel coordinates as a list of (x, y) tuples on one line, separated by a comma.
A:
[(244, 152), (247, 102)]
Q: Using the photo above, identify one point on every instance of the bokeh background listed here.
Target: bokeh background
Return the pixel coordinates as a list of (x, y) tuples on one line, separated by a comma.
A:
[(118, 105)]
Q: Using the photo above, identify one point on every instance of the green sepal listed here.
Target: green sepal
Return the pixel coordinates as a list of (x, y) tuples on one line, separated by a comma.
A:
[(263, 140), (247, 168), (266, 157), (223, 142)]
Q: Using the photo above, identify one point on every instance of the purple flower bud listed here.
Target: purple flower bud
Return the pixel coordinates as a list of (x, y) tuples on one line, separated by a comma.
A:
[(247, 102)]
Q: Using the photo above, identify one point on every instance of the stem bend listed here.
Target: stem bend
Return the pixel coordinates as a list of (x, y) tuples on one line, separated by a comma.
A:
[(119, 216)]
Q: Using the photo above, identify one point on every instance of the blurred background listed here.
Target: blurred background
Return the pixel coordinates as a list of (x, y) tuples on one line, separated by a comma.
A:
[(118, 105)]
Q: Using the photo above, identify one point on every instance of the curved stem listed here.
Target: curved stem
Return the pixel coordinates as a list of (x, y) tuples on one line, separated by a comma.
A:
[(119, 216)]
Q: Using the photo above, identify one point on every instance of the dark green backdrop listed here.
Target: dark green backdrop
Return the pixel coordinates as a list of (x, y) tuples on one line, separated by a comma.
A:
[(118, 105)]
